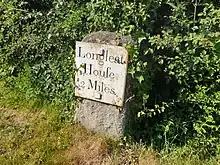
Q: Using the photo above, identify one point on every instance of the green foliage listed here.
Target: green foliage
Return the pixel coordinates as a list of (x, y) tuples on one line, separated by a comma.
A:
[(117, 16), (175, 60), (186, 79), (38, 45)]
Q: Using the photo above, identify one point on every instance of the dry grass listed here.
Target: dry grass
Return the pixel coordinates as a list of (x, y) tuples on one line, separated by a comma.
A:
[(88, 151), (29, 137), (31, 134), (96, 151), (149, 157), (136, 154)]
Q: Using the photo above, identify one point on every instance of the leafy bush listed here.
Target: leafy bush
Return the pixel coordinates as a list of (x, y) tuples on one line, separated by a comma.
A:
[(37, 43), (185, 86), (175, 62)]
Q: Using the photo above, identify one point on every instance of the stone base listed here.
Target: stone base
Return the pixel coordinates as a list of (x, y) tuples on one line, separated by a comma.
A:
[(102, 118), (99, 117)]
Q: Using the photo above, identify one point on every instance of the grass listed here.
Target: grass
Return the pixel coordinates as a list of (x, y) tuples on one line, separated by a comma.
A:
[(31, 132), (186, 156)]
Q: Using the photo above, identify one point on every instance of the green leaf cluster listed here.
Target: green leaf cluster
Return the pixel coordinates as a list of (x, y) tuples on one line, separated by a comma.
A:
[(174, 60), (183, 88)]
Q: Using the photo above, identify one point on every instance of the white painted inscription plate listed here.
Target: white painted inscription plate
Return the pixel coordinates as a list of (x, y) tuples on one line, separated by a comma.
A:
[(102, 72)]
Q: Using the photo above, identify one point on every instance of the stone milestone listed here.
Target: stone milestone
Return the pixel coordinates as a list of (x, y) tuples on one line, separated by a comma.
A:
[(102, 72), (100, 82)]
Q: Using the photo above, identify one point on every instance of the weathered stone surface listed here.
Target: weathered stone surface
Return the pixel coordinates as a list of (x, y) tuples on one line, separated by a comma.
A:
[(100, 117)]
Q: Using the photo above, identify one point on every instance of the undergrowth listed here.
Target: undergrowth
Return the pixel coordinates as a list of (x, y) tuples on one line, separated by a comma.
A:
[(31, 132), (175, 67), (174, 61)]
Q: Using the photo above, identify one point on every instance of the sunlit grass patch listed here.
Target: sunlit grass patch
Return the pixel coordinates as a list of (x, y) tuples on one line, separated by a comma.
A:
[(32, 141)]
